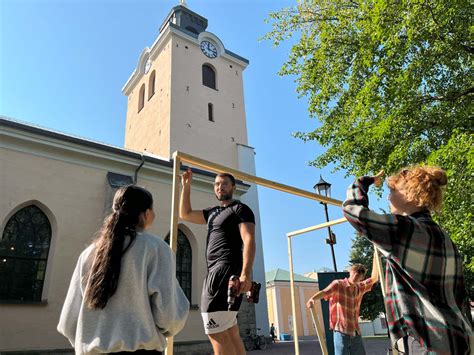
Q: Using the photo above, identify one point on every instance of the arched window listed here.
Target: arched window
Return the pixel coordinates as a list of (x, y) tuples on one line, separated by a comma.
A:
[(208, 76), (210, 112), (151, 85), (184, 259), (141, 98), (24, 249)]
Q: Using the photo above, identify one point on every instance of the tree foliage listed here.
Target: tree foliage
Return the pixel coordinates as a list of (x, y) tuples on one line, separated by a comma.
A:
[(391, 84), (457, 157), (362, 252)]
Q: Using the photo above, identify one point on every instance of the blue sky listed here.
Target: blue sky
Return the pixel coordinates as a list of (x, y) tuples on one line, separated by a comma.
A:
[(63, 64)]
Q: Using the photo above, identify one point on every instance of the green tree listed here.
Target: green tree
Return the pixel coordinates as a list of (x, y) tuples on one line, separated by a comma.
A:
[(362, 252), (457, 157), (391, 84)]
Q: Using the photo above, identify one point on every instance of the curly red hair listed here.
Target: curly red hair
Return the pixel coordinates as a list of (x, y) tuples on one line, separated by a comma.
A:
[(423, 185)]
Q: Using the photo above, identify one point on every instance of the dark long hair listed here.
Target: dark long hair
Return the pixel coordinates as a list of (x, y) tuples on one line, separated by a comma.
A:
[(129, 203)]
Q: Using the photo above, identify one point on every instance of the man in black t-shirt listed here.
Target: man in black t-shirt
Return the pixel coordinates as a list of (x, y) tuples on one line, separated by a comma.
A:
[(230, 250)]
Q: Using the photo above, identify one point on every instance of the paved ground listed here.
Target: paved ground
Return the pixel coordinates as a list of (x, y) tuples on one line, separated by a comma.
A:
[(373, 346)]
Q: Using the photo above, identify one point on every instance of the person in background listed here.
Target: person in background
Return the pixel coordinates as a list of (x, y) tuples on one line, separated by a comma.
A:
[(426, 299), (273, 333), (124, 296), (345, 296)]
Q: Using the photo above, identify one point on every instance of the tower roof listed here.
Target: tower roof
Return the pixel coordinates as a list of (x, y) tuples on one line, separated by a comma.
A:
[(283, 275), (185, 19)]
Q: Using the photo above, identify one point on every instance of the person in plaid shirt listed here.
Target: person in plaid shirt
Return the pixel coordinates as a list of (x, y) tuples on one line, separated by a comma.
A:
[(345, 297), (426, 300)]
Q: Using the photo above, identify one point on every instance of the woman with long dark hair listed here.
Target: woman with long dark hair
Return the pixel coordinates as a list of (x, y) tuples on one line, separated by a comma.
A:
[(124, 296)]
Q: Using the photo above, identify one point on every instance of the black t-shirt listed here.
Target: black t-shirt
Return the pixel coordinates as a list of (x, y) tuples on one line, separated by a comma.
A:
[(224, 242)]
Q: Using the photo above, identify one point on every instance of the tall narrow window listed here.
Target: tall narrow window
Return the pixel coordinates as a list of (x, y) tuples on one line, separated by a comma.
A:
[(210, 112), (151, 85), (184, 261), (141, 98), (208, 76), (24, 249)]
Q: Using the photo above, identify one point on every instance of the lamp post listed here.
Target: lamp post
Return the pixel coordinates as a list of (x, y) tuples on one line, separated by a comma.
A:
[(324, 188)]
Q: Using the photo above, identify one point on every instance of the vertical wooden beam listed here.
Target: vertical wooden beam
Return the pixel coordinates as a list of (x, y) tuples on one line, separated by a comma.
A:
[(293, 298), (319, 329), (378, 264), (174, 224)]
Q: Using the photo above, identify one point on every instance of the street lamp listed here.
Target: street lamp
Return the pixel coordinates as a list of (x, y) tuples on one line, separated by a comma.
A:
[(324, 188)]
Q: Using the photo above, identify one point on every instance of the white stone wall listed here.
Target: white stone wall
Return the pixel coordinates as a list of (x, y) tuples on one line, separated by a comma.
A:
[(68, 182)]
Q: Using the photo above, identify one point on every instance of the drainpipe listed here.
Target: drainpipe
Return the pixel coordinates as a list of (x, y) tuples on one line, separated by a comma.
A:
[(139, 167)]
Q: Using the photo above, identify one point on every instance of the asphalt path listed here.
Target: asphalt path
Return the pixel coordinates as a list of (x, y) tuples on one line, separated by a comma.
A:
[(374, 346)]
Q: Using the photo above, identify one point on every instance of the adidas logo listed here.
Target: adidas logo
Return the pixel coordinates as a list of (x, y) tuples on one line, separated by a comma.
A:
[(212, 324)]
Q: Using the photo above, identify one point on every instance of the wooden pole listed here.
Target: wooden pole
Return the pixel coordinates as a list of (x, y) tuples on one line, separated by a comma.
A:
[(319, 329), (174, 226), (290, 257), (316, 227), (293, 299), (179, 157), (207, 165), (378, 264)]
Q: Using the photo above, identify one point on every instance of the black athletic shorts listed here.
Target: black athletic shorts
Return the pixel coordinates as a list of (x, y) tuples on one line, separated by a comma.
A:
[(214, 290)]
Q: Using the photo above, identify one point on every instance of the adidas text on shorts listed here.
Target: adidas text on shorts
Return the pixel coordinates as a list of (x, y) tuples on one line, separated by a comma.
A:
[(216, 322)]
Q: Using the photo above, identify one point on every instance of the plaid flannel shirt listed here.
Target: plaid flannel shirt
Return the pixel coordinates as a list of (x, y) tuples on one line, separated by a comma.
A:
[(344, 304), (425, 293)]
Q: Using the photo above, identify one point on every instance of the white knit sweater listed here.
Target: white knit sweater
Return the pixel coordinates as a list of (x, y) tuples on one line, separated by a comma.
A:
[(148, 305)]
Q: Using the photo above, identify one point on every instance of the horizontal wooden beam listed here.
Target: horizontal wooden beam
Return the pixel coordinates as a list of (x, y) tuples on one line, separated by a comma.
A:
[(207, 165), (316, 227)]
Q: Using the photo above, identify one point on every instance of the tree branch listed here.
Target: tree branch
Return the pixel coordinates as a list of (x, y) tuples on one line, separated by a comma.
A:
[(453, 96)]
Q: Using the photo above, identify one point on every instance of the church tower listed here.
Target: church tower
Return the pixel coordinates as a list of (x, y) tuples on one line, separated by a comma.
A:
[(187, 94)]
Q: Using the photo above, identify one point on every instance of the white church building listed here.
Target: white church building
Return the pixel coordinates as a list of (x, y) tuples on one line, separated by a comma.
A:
[(186, 94)]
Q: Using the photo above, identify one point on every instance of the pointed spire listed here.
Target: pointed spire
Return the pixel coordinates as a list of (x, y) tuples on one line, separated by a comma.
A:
[(183, 3)]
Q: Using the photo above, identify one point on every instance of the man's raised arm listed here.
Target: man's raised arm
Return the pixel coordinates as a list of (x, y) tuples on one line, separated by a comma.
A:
[(185, 211)]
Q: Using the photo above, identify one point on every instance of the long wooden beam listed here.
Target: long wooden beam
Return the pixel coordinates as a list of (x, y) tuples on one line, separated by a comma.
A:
[(207, 165), (319, 329), (293, 300), (292, 278), (378, 265), (174, 227), (316, 227), (180, 157)]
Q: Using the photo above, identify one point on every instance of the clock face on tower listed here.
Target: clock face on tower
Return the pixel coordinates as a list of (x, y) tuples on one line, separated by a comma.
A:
[(147, 66), (209, 49)]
